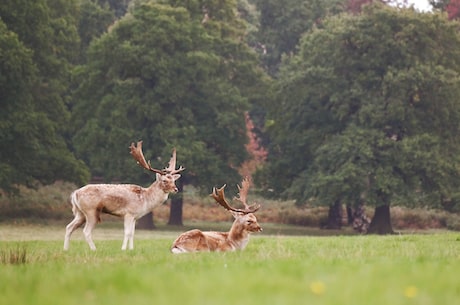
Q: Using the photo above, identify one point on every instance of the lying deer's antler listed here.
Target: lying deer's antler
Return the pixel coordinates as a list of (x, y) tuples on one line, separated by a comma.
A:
[(243, 195), (219, 196)]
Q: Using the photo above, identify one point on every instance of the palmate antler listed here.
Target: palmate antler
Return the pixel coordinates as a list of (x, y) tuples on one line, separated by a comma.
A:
[(219, 197), (172, 164), (136, 152)]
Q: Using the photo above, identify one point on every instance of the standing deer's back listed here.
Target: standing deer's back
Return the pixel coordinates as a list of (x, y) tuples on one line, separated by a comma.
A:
[(125, 200)]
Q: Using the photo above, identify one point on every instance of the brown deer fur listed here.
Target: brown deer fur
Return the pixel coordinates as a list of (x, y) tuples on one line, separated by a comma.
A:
[(236, 239), (124, 200)]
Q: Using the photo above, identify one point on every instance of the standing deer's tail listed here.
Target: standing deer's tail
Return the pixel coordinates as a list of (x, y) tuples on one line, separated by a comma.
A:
[(74, 202)]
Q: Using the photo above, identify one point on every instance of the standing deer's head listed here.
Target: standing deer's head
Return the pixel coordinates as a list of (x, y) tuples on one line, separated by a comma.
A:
[(166, 177), (244, 217)]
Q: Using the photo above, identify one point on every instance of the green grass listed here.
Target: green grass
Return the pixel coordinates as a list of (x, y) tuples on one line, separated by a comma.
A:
[(276, 269)]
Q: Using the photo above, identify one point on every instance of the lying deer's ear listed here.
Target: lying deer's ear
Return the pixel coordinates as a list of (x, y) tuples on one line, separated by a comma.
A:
[(176, 176)]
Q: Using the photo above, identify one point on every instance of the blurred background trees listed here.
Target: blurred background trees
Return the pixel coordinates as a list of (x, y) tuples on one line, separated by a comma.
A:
[(354, 102), (39, 44), (369, 113)]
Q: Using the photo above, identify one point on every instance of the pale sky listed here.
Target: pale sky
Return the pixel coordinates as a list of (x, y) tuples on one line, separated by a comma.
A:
[(420, 4)]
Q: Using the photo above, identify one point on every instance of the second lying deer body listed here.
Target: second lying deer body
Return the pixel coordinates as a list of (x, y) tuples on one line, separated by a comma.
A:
[(236, 239)]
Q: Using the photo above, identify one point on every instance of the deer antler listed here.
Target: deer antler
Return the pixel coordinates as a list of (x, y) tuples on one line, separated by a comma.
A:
[(137, 154), (219, 196), (243, 193), (172, 164)]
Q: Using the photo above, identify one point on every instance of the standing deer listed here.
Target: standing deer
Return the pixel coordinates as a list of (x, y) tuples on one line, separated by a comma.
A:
[(125, 200), (238, 236)]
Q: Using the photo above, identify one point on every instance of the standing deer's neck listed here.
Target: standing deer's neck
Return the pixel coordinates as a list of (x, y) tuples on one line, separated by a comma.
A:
[(155, 195), (238, 235)]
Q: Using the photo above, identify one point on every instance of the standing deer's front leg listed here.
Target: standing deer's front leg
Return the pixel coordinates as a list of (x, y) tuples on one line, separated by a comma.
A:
[(91, 220), (131, 240), (130, 224)]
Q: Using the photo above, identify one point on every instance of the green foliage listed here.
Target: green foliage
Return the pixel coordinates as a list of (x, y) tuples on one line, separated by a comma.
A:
[(162, 76), (282, 23), (93, 20), (400, 269), (372, 101), (38, 42), (29, 147)]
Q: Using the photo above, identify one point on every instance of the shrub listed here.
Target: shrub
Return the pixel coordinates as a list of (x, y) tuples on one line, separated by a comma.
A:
[(43, 202), (421, 219), (312, 217)]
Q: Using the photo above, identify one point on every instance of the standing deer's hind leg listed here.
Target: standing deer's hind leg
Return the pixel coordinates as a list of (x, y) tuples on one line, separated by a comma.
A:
[(72, 226)]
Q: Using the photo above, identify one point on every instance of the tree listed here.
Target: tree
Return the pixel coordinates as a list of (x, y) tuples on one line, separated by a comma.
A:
[(372, 103), (439, 4), (163, 75), (93, 20), (355, 6), (282, 23), (453, 9), (37, 46)]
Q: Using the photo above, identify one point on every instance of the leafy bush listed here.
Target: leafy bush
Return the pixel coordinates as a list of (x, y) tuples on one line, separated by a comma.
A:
[(43, 202), (303, 216)]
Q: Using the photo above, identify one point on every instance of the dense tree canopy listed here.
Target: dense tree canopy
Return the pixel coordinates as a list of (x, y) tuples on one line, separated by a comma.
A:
[(38, 42), (370, 110), (364, 108), (94, 20), (164, 76), (282, 23)]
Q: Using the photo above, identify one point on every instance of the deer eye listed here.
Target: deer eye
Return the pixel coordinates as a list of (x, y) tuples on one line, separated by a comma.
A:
[(249, 222)]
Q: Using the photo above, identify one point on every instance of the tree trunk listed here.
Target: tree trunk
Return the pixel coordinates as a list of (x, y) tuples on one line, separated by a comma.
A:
[(334, 218), (360, 220), (146, 222), (381, 222), (349, 214), (175, 214)]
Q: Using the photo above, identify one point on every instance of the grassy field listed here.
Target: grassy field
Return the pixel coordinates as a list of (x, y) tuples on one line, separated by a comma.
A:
[(274, 269)]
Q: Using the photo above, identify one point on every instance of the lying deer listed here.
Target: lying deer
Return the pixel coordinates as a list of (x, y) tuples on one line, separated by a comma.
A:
[(124, 200), (238, 236)]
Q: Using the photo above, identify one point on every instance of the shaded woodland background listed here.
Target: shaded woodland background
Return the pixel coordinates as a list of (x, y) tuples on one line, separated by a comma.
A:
[(347, 107)]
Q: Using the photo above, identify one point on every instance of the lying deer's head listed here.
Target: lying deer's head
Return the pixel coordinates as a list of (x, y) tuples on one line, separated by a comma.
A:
[(243, 217)]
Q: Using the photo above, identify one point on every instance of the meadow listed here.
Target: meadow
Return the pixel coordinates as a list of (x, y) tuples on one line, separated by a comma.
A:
[(273, 269)]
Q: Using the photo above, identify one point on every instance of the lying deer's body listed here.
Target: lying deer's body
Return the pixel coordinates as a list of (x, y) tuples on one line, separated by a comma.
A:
[(236, 239), (124, 200)]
